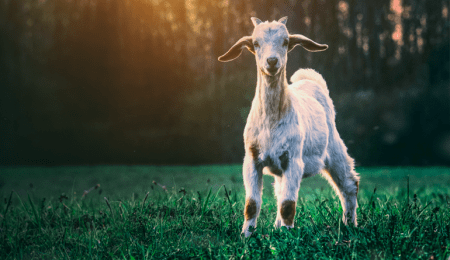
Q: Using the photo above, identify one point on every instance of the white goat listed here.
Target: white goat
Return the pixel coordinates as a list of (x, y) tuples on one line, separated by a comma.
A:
[(290, 132)]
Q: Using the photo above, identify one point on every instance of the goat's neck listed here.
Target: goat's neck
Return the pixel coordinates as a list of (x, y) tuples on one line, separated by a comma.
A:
[(272, 102)]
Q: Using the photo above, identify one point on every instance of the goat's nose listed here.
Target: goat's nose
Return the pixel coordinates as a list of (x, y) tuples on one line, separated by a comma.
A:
[(272, 61)]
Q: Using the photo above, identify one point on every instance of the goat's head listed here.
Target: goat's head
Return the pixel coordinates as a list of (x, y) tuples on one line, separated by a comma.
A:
[(270, 43)]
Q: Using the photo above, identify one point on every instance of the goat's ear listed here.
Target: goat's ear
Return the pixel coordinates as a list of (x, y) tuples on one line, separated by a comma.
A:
[(236, 50), (283, 20), (255, 21), (306, 43)]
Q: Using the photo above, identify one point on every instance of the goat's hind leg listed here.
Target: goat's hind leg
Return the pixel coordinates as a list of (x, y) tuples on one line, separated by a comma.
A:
[(340, 173), (253, 192)]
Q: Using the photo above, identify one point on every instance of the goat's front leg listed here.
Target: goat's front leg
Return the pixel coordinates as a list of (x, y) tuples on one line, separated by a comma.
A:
[(253, 193), (286, 190)]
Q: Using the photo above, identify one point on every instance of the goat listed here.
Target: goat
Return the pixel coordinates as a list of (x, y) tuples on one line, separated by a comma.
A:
[(290, 132)]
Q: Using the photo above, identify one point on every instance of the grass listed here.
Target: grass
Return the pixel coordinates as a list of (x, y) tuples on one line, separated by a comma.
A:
[(196, 212)]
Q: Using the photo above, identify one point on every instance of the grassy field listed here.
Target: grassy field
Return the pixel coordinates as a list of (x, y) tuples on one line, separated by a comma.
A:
[(179, 212)]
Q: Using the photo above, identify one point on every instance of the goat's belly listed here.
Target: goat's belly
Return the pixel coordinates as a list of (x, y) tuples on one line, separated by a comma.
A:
[(313, 165)]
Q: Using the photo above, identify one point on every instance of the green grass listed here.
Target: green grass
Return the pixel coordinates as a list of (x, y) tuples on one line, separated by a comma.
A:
[(50, 216)]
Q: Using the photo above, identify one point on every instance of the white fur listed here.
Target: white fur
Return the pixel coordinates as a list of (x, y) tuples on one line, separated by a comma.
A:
[(297, 119), (311, 75)]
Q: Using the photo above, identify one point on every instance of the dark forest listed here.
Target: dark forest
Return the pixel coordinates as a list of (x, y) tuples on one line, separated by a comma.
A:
[(138, 81)]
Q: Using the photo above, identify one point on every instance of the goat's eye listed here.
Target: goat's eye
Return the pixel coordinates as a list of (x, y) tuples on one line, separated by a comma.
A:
[(256, 44), (286, 42)]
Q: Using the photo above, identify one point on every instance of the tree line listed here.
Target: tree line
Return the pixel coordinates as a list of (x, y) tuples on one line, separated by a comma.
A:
[(138, 81)]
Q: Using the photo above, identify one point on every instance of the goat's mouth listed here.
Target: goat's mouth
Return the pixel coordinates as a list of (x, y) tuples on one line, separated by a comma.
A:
[(271, 71)]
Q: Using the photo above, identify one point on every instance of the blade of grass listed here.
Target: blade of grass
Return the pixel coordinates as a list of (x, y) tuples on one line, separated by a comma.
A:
[(7, 207), (371, 198), (321, 214), (426, 206), (63, 238), (23, 205), (33, 208), (228, 198), (124, 207), (407, 188), (143, 202), (206, 202), (331, 216), (217, 194), (110, 209)]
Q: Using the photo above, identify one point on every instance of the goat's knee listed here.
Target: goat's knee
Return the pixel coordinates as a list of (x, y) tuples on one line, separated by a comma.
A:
[(286, 214), (253, 190), (251, 212), (287, 200), (250, 209)]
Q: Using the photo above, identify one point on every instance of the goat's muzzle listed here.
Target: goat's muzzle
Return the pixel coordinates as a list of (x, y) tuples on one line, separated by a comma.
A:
[(272, 66)]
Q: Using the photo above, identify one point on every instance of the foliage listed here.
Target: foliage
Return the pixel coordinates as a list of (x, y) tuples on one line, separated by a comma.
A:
[(204, 222), (138, 81)]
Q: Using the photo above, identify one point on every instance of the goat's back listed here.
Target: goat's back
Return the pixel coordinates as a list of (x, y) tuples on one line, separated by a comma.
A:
[(309, 74), (311, 83), (311, 90)]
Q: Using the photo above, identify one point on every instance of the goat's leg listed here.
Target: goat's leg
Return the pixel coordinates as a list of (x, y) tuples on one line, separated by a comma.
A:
[(286, 190), (340, 173), (253, 193)]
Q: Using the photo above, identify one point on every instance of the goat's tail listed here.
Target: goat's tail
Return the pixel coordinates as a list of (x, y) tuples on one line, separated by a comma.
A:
[(309, 74)]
